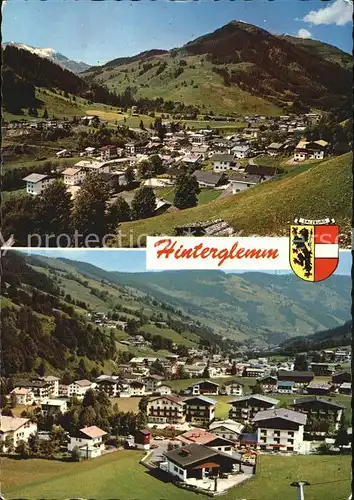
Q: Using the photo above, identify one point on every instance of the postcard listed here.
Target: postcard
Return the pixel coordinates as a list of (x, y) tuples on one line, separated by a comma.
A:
[(176, 250), (129, 383), (124, 120)]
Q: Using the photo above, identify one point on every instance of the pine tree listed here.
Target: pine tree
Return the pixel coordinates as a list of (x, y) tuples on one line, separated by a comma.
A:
[(144, 203), (129, 175), (186, 191), (89, 212), (45, 114), (119, 212), (53, 212)]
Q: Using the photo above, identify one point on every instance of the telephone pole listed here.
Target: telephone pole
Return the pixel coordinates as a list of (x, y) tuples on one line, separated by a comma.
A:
[(300, 489)]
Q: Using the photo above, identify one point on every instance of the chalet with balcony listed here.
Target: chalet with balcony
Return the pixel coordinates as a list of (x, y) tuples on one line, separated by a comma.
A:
[(301, 379), (244, 408), (204, 387), (316, 407), (200, 409), (89, 441), (268, 383), (234, 388), (280, 430), (228, 429), (166, 409)]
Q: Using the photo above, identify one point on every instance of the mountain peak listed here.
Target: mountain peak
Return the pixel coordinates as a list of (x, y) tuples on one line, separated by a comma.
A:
[(53, 55)]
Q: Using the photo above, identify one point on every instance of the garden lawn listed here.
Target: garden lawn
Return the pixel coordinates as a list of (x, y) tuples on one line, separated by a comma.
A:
[(118, 475)]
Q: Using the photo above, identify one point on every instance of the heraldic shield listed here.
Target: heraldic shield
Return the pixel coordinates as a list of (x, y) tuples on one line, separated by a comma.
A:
[(314, 250)]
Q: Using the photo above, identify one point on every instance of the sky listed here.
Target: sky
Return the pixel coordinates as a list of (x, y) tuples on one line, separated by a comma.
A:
[(97, 31), (134, 260)]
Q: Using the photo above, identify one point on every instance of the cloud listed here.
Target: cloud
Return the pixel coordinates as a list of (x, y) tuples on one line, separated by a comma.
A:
[(302, 33), (339, 12)]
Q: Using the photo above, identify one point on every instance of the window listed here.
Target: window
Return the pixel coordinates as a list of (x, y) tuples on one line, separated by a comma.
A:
[(291, 433)]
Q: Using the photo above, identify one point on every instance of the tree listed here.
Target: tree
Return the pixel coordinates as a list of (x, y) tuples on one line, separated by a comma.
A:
[(75, 454), (300, 363), (156, 165), (257, 389), (89, 398), (205, 373), (89, 213), (47, 449), (186, 191), (233, 368), (22, 449), (129, 175), (143, 404), (141, 125), (144, 203), (119, 212), (324, 448), (45, 114), (141, 420), (9, 444), (41, 369), (145, 169), (342, 438), (34, 445), (54, 210)]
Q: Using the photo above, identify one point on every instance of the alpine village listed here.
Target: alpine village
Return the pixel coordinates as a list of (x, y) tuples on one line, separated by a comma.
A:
[(237, 130), (184, 387)]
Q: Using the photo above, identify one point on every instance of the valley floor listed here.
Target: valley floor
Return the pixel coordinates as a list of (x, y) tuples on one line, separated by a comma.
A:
[(119, 475)]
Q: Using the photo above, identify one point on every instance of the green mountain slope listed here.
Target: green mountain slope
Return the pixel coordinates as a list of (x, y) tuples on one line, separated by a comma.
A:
[(255, 307), (238, 68), (324, 50), (339, 336), (311, 191)]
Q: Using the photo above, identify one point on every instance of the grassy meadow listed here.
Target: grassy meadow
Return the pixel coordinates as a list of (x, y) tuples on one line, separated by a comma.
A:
[(118, 475)]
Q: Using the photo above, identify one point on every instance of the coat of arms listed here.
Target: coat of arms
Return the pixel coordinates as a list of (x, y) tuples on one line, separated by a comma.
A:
[(314, 249)]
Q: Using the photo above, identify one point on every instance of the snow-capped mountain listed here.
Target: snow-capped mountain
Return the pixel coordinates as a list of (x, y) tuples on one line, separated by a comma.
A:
[(74, 66)]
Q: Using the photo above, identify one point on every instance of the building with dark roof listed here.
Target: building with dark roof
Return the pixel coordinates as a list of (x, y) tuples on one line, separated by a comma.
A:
[(300, 378), (200, 409), (317, 407), (244, 408), (196, 461), (281, 429)]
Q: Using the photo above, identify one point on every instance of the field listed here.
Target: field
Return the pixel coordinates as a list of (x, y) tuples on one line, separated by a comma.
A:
[(119, 476), (266, 209), (17, 163)]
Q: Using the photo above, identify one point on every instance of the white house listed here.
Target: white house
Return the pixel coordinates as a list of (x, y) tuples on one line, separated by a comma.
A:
[(163, 390), (228, 429), (137, 388), (16, 429), (192, 159), (310, 150), (89, 441), (223, 161), (73, 176), (80, 387), (241, 150), (63, 154), (240, 182), (93, 166), (281, 429), (37, 183), (166, 409), (234, 388), (54, 406), (53, 383), (22, 396)]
